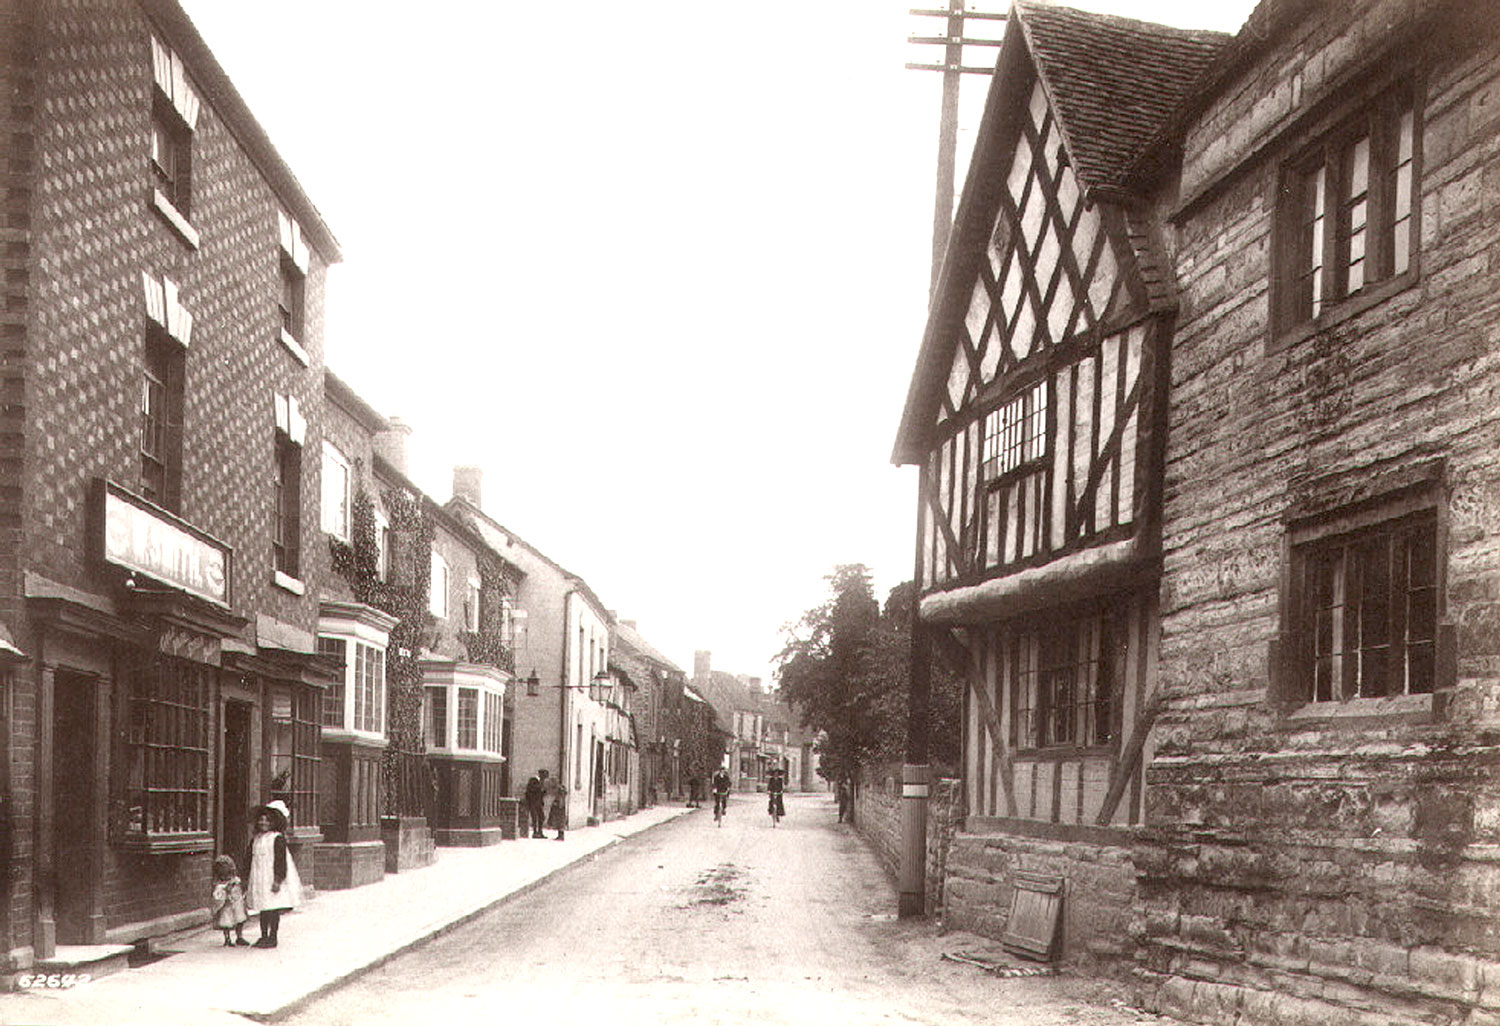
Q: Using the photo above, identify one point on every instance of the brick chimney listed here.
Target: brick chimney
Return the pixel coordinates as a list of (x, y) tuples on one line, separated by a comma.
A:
[(390, 444), (468, 483)]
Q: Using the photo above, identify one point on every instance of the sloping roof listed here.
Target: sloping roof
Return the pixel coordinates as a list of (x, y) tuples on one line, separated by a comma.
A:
[(632, 640), (1113, 82)]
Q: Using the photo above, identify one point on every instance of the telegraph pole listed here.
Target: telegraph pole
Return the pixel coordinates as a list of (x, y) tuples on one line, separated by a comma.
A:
[(916, 773)]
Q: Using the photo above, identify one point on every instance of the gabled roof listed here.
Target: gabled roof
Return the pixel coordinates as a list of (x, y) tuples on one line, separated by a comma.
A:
[(1113, 82), (497, 538), (632, 640)]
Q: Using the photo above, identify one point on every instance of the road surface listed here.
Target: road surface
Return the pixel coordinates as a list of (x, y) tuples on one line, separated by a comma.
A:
[(704, 924)]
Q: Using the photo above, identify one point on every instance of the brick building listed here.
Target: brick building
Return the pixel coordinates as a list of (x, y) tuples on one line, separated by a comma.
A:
[(162, 345), (1205, 416)]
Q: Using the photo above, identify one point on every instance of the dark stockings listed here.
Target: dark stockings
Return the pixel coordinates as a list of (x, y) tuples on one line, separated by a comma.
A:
[(270, 925)]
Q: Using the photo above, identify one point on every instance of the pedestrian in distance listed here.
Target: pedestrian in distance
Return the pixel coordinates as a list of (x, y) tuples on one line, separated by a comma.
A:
[(274, 886), (229, 902), (557, 805), (694, 792), (536, 802), (721, 785), (843, 800)]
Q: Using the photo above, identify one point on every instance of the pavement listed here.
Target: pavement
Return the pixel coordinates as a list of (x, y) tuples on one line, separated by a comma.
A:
[(331, 939)]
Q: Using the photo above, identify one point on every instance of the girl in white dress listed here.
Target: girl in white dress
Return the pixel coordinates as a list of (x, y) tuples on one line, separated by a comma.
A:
[(274, 886)]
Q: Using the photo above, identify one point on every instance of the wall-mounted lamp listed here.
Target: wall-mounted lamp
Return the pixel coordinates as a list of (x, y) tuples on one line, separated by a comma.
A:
[(533, 684)]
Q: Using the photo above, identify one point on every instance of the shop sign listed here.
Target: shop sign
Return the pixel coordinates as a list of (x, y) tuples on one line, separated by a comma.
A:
[(141, 538)]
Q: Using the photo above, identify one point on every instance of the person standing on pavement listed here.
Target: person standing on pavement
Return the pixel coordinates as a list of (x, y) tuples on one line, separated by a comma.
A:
[(843, 800), (229, 902), (536, 802), (557, 805), (274, 886)]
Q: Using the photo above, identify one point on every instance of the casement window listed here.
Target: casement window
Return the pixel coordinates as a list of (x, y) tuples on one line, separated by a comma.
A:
[(286, 498), (437, 595), (1015, 435), (294, 751), (1347, 210), (337, 501), (1063, 683), (175, 106), (1365, 607), (168, 744), (436, 720), (356, 704)]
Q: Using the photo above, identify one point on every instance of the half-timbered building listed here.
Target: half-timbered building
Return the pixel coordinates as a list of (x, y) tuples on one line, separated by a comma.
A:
[(1214, 525), (1036, 416)]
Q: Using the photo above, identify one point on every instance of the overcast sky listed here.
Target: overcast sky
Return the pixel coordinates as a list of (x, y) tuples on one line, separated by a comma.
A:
[(660, 270)]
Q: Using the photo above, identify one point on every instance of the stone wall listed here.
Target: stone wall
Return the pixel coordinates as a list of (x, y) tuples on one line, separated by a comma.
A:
[(877, 818), (1304, 864)]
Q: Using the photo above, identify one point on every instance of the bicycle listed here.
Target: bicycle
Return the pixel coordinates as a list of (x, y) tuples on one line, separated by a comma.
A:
[(776, 808), (721, 804)]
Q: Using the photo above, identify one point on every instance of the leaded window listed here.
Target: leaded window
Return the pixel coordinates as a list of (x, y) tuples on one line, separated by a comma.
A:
[(294, 751), (1063, 678), (1347, 210), (168, 744)]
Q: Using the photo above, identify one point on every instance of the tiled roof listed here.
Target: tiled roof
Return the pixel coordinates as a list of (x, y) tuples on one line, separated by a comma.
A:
[(1113, 81)]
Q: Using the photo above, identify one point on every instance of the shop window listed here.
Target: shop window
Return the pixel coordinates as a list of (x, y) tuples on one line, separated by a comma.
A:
[(358, 703), (334, 694), (168, 745), (437, 717), (294, 752), (1365, 603), (1346, 214), (494, 715), (161, 420), (1063, 684), (468, 719)]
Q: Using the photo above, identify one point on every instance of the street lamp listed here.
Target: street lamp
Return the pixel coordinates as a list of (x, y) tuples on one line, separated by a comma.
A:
[(533, 684)]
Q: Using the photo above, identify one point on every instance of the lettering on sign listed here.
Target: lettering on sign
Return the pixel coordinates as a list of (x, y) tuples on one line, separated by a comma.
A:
[(141, 540)]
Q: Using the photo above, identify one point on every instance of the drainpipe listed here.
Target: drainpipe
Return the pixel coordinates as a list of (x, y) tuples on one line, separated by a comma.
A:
[(565, 695)]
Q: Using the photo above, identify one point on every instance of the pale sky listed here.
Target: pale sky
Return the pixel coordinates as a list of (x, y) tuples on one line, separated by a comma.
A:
[(661, 271)]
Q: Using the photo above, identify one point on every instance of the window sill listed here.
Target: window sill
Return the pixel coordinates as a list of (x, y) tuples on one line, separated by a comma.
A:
[(1360, 712), (173, 217), (359, 737), (295, 348), (467, 754), (1343, 310), (168, 844), (289, 583)]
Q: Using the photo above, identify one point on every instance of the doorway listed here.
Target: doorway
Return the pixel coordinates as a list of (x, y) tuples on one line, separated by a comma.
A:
[(234, 829), (75, 806)]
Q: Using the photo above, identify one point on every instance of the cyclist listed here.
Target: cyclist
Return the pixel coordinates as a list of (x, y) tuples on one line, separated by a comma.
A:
[(721, 784), (775, 785)]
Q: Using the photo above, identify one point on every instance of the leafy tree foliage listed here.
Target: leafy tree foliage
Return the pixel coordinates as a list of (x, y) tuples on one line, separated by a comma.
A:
[(845, 668)]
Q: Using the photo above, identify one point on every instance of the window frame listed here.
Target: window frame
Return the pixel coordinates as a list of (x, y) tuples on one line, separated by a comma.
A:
[(291, 301), (1093, 634), (362, 697), (1309, 536), (168, 755), (302, 726), (163, 367), (437, 586), (286, 507), (336, 517), (171, 155), (1377, 118)]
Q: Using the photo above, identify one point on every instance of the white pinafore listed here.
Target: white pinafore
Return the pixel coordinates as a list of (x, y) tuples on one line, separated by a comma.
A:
[(258, 893)]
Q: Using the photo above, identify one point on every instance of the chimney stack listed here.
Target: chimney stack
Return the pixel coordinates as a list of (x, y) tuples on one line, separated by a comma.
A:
[(390, 444), (702, 664), (468, 484)]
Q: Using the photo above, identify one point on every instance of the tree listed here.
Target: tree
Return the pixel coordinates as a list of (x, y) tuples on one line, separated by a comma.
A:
[(845, 668)]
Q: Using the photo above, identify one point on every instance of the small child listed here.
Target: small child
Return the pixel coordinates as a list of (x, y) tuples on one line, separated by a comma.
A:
[(274, 884), (229, 901)]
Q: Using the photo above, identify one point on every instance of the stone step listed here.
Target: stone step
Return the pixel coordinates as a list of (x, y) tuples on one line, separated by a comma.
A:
[(69, 962)]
